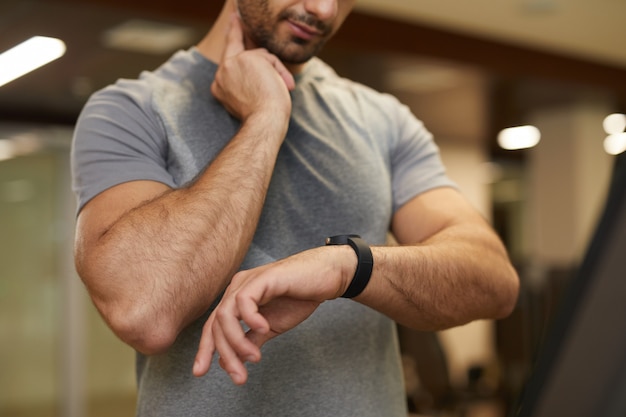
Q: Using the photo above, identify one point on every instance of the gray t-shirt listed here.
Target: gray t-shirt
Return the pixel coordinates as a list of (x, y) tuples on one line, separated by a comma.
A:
[(351, 158)]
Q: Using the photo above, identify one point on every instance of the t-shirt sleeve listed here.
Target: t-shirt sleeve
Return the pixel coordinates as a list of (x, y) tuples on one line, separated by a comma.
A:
[(415, 161), (117, 139)]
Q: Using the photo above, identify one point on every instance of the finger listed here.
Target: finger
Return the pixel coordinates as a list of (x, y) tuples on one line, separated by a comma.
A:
[(232, 331), (249, 310), (234, 38), (283, 72), (206, 349), (259, 339), (229, 360)]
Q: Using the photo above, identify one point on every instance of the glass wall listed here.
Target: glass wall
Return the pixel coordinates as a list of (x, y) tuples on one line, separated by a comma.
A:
[(56, 355)]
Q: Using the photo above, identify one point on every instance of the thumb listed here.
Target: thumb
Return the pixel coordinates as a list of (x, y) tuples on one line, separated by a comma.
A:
[(283, 72), (234, 38)]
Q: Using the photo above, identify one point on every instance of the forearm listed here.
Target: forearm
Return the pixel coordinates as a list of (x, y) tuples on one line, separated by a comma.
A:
[(452, 269), (437, 284), (458, 275), (160, 265)]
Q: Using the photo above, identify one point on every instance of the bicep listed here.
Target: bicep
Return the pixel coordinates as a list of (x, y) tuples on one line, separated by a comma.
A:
[(431, 212)]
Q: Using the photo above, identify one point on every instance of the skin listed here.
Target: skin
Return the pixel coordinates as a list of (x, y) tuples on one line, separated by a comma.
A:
[(154, 258)]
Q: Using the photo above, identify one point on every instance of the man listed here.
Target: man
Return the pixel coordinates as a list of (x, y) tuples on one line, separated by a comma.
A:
[(243, 154)]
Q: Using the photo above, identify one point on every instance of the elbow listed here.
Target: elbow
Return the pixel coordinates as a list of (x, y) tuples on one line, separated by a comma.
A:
[(132, 320), (139, 329), (508, 295)]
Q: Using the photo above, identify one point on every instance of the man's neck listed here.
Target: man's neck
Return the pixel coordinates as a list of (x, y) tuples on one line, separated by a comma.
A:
[(212, 45)]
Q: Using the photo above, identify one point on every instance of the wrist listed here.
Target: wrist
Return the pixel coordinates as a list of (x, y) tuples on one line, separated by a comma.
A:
[(359, 276), (268, 124), (346, 264)]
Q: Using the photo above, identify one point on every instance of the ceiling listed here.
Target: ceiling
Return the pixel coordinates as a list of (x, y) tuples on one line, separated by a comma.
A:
[(591, 30), (583, 35)]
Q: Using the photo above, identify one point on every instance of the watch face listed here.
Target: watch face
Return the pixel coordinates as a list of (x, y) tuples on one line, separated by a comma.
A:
[(340, 239)]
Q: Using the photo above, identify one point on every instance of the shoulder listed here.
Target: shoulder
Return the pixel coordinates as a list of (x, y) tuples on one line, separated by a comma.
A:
[(137, 105), (382, 113), (324, 76), (179, 73), (376, 109)]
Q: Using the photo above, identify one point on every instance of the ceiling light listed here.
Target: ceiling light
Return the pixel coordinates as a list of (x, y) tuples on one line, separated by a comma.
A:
[(28, 56), (615, 144), (148, 37), (521, 137), (614, 123)]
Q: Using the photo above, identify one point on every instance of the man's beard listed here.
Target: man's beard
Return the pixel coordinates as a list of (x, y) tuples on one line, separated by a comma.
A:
[(263, 32)]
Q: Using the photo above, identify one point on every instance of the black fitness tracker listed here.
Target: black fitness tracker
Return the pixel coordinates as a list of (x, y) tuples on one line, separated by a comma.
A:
[(365, 262)]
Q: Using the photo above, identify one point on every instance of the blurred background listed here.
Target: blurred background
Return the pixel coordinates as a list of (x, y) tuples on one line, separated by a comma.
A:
[(469, 70)]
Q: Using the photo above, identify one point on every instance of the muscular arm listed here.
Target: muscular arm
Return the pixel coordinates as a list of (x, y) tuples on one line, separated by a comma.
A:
[(154, 268), (153, 258), (450, 269)]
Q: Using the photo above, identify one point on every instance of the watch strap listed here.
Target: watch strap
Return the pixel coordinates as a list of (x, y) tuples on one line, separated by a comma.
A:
[(365, 262)]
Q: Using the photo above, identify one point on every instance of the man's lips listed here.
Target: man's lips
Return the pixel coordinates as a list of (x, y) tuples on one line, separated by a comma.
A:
[(303, 31)]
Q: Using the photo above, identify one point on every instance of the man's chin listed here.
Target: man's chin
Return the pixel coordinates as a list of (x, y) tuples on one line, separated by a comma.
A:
[(295, 61), (297, 56)]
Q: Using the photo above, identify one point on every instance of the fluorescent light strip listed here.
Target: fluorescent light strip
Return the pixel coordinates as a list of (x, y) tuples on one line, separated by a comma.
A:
[(28, 56), (520, 137)]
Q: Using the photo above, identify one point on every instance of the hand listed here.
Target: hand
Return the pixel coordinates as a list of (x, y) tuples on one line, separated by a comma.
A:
[(250, 81), (270, 300)]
